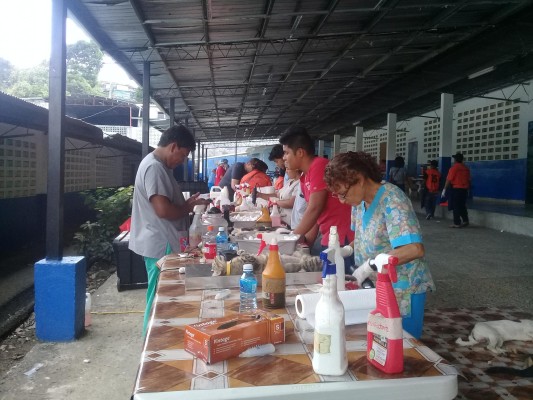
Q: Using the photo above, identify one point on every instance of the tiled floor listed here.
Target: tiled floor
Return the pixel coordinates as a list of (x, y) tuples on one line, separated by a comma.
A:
[(443, 326)]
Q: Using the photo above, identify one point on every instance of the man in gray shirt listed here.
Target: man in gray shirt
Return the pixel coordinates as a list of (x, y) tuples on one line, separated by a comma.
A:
[(160, 213)]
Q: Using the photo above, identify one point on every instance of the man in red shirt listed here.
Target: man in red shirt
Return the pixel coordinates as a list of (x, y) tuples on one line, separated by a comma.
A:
[(459, 181), (221, 170), (323, 210)]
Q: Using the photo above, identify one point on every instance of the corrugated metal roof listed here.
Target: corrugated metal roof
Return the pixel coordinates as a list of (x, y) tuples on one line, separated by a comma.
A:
[(251, 69)]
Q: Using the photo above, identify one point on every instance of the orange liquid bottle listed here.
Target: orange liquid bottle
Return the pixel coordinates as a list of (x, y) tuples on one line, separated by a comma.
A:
[(273, 280)]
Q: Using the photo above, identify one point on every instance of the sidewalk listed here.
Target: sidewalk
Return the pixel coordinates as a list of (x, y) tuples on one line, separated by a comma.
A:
[(100, 365), (473, 267)]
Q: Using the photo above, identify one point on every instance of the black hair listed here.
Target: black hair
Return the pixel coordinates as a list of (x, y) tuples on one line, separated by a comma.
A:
[(180, 135), (258, 164), (298, 138), (399, 162), (276, 152)]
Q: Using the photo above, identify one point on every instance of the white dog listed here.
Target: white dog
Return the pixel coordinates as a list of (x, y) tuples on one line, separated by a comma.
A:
[(497, 332)]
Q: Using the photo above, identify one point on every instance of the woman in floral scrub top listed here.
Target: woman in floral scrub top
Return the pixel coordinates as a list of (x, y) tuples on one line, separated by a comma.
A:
[(384, 221)]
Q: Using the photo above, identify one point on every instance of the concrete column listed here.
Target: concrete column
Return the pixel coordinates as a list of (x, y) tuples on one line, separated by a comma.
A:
[(391, 142), (336, 145), (146, 110), (446, 132), (358, 138), (320, 150), (172, 112)]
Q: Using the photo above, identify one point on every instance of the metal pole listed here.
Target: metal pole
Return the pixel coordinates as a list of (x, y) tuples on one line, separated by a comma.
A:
[(56, 134), (146, 110), (172, 113)]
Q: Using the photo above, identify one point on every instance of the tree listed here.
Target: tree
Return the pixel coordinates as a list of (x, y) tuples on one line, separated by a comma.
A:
[(30, 82), (85, 59)]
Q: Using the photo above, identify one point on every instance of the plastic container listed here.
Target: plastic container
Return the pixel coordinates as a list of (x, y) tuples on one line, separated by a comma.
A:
[(273, 279), (329, 346), (216, 220), (221, 240), (88, 305), (209, 242), (248, 286), (196, 229), (384, 327), (264, 220), (275, 216)]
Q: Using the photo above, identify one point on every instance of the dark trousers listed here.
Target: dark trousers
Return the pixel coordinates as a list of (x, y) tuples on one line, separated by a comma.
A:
[(430, 200), (459, 206)]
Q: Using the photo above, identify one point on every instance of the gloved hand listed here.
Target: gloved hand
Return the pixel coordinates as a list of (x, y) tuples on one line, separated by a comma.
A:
[(443, 193), (363, 272), (346, 251)]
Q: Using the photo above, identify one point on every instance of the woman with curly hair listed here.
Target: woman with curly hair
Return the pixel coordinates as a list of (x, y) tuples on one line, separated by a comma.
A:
[(256, 174), (384, 221)]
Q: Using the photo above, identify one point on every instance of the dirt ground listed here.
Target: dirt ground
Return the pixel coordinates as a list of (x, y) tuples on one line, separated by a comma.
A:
[(14, 346)]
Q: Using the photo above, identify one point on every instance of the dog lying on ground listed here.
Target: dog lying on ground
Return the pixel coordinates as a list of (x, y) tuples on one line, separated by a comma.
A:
[(497, 332)]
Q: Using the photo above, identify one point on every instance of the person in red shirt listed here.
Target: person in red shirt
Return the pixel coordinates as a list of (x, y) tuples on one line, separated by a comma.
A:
[(432, 183), (323, 210), (256, 174), (221, 170), (458, 180)]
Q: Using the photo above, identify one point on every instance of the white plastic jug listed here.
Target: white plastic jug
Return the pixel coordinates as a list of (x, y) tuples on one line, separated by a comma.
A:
[(214, 192)]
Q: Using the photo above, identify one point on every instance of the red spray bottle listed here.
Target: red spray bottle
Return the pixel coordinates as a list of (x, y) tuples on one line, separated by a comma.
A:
[(384, 327)]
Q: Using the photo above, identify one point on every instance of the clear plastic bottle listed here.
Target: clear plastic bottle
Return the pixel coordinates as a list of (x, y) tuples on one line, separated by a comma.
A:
[(196, 228), (222, 240), (209, 244), (248, 285), (88, 318)]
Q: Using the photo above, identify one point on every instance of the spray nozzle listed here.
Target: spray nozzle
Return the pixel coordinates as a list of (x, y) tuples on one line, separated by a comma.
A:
[(262, 244), (328, 262), (384, 260)]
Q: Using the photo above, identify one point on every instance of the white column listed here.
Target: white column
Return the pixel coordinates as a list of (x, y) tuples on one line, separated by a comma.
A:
[(358, 138), (320, 151), (446, 132), (336, 145)]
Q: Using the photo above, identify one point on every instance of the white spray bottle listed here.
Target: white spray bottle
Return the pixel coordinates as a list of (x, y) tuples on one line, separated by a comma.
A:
[(329, 346), (340, 253)]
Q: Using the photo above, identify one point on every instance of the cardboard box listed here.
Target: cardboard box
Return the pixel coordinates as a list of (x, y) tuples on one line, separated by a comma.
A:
[(222, 338)]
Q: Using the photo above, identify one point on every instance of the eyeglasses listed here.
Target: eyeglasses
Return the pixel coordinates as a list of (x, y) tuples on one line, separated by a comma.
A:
[(342, 196)]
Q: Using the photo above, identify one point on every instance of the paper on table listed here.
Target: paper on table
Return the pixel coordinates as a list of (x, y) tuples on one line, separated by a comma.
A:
[(359, 301)]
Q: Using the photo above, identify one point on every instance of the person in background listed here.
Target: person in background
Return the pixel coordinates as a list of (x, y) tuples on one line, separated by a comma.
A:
[(160, 213), (384, 221), (232, 178), (432, 183), (211, 179), (398, 174), (458, 180), (323, 210), (276, 155), (221, 171), (256, 174)]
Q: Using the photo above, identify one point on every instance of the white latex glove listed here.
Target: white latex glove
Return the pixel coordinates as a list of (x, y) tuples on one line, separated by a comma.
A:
[(363, 272), (346, 251)]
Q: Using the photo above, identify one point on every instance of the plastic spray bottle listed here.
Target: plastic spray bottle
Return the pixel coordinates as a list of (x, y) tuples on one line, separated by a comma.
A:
[(275, 216), (196, 229), (273, 280), (329, 347), (340, 253), (384, 327)]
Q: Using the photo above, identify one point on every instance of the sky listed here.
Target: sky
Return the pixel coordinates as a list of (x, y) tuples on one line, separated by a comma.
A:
[(25, 37)]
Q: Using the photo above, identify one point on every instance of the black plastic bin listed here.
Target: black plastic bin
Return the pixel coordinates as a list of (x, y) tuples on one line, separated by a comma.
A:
[(131, 271)]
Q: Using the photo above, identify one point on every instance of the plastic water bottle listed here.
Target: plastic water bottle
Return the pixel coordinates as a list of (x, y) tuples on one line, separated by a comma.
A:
[(222, 240), (88, 319), (248, 285), (209, 244)]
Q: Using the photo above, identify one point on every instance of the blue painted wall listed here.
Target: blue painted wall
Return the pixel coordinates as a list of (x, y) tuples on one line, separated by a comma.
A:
[(502, 179)]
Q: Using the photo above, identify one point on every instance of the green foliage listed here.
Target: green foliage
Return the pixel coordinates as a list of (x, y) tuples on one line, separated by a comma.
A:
[(85, 59), (113, 207), (84, 62)]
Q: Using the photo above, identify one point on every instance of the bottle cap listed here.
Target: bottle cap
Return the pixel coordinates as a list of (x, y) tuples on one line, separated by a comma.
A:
[(273, 244), (221, 229), (210, 227), (247, 267)]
